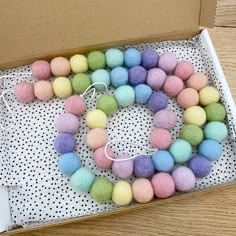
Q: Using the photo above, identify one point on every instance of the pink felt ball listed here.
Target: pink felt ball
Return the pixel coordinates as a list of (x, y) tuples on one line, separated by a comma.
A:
[(184, 178), (100, 158), (60, 66), (187, 98), (167, 62), (197, 81), (163, 185), (41, 70), (96, 138), (156, 78), (43, 90), (24, 92), (75, 105), (184, 70), (165, 119), (142, 190), (173, 86), (160, 138)]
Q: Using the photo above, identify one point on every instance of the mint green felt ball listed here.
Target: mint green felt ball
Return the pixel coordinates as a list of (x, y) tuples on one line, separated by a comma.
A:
[(114, 57), (215, 112), (108, 104), (125, 95), (80, 82), (181, 150), (100, 76), (192, 134), (96, 60), (82, 179), (101, 189), (216, 130)]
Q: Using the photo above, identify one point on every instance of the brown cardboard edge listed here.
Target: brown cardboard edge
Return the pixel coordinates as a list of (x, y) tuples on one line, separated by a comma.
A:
[(207, 13)]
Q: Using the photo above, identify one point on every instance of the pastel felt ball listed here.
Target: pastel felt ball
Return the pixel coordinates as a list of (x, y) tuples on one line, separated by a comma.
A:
[(215, 112), (195, 115), (181, 150), (143, 167), (62, 87), (100, 158), (208, 95), (160, 138), (75, 105), (132, 57), (96, 60), (192, 134), (64, 143), (43, 90), (184, 70), (24, 92), (96, 119), (200, 166), (114, 57), (165, 119), (173, 86), (96, 138), (60, 66), (197, 81), (119, 76), (142, 93), (184, 179), (67, 123), (41, 70), (150, 59), (156, 78), (163, 161), (82, 179), (80, 82), (107, 104), (68, 163), (142, 190), (163, 185), (125, 95), (210, 149), (216, 130), (101, 189), (158, 101), (167, 62), (100, 76), (122, 193), (137, 75), (79, 63), (188, 97)]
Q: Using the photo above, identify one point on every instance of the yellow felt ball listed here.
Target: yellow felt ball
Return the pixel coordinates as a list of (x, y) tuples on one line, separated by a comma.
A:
[(79, 63), (62, 87), (96, 119), (195, 115), (208, 95), (122, 193)]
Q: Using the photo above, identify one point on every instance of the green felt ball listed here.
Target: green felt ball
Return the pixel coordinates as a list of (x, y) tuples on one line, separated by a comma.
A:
[(96, 60), (125, 95), (80, 83), (101, 189), (108, 104), (192, 134), (215, 112), (215, 130)]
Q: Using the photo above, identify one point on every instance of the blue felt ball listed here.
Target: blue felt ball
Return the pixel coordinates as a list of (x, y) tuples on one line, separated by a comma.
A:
[(125, 95), (68, 163), (142, 93), (150, 59), (137, 75), (210, 149), (158, 101), (64, 143), (163, 161), (101, 76), (143, 167), (119, 76), (114, 57), (132, 57)]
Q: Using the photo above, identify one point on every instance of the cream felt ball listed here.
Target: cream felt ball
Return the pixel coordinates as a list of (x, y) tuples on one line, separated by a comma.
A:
[(208, 95), (96, 119), (43, 90), (75, 105), (132, 57), (100, 76), (24, 92), (156, 78), (188, 97), (79, 63), (100, 158), (160, 138), (125, 95), (96, 138), (142, 93), (192, 134), (216, 130), (173, 86), (80, 82), (96, 60), (184, 70), (60, 66), (165, 119), (195, 115), (107, 104), (197, 81), (62, 87), (215, 112), (41, 69), (119, 76), (114, 57), (167, 62)]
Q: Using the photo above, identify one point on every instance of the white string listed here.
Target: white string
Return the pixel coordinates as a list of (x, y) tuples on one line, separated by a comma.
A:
[(12, 76), (128, 158), (89, 90)]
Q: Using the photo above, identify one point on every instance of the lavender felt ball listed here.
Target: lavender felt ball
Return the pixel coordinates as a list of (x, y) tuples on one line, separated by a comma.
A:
[(158, 101), (137, 75), (167, 62), (150, 59), (143, 166), (64, 143), (165, 119), (156, 78)]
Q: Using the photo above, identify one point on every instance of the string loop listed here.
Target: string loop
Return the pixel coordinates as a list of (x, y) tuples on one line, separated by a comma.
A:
[(89, 90)]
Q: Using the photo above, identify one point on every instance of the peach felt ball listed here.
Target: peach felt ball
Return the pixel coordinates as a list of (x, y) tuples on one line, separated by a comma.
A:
[(76, 105), (184, 70), (24, 92), (60, 66), (173, 85), (160, 138), (100, 158), (43, 90), (197, 81), (96, 138), (41, 70), (188, 97)]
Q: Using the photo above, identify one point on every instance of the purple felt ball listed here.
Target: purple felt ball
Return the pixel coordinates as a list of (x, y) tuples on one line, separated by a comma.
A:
[(156, 78), (143, 166), (165, 119), (167, 62), (137, 75), (200, 166), (65, 143), (150, 59), (158, 101)]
